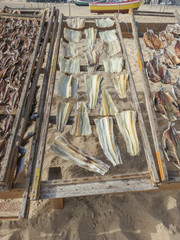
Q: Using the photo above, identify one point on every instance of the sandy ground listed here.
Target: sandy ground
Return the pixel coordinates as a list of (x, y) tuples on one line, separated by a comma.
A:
[(135, 216)]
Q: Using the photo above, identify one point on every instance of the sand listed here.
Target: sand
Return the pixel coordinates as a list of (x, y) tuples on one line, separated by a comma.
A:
[(132, 216)]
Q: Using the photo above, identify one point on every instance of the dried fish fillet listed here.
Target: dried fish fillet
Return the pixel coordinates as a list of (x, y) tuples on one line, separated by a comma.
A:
[(166, 36), (63, 112), (176, 89), (112, 48), (152, 41), (174, 28), (127, 125), (113, 65), (171, 59), (90, 34), (171, 145), (120, 84), (72, 35), (69, 152), (76, 23), (92, 58), (92, 89), (177, 48), (107, 105), (69, 50), (166, 105), (108, 36), (81, 125), (67, 86), (104, 128), (104, 23), (71, 66)]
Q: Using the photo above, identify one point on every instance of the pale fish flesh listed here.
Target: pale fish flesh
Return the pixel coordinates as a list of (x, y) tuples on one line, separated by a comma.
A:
[(112, 48), (92, 58), (107, 105), (104, 128), (69, 50), (68, 152), (108, 36), (71, 66), (127, 125), (113, 65), (81, 125), (76, 23), (120, 84), (104, 23), (92, 88), (152, 41), (171, 145), (166, 105), (72, 35), (90, 34), (67, 86), (63, 112)]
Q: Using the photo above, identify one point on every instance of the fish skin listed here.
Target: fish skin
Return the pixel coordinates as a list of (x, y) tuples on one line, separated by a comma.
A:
[(177, 49), (152, 41), (176, 89)]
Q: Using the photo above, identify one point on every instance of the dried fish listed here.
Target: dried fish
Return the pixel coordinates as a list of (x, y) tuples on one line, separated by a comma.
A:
[(92, 89), (71, 66), (176, 89), (6, 125), (171, 145), (152, 41), (113, 65), (67, 86), (76, 23), (112, 48), (127, 125), (81, 125), (90, 34), (20, 166), (72, 35), (174, 28), (68, 152), (120, 84), (69, 50), (104, 128), (108, 36), (92, 58), (166, 36), (166, 105), (107, 105), (171, 59), (104, 23), (177, 48), (63, 113)]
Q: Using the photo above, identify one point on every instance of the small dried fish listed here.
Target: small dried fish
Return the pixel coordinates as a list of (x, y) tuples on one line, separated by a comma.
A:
[(176, 89), (90, 34), (166, 105), (166, 36), (171, 59), (177, 48), (71, 66), (112, 48), (63, 113), (108, 36), (120, 84), (68, 152), (127, 125), (92, 89), (152, 41), (104, 23), (6, 125), (92, 58), (81, 125), (69, 50), (104, 128), (107, 105), (72, 35), (113, 65), (76, 23)]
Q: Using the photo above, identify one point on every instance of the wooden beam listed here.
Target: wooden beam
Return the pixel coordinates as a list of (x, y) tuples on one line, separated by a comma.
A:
[(177, 16)]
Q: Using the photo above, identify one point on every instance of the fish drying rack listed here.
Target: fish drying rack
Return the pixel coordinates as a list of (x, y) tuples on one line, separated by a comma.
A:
[(155, 177)]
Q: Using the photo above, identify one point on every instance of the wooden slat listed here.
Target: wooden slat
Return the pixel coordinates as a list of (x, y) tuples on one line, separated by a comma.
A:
[(177, 15), (149, 104), (153, 14)]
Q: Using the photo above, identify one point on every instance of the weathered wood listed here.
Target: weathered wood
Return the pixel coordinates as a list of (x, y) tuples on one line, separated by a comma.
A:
[(145, 140), (149, 104), (20, 16), (151, 13), (177, 16)]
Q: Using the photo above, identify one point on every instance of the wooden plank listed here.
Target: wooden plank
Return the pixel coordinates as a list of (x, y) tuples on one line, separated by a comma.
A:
[(145, 140), (37, 129), (177, 16), (152, 14), (8, 159), (149, 105), (45, 123)]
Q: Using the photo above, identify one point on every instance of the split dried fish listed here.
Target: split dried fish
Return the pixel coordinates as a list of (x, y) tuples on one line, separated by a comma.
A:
[(166, 105), (120, 84), (107, 105), (81, 125), (177, 48), (76, 23), (112, 48), (104, 23), (171, 145), (69, 50), (104, 128), (63, 113), (171, 59), (72, 35), (67, 86), (68, 152), (166, 36), (127, 125), (92, 89), (174, 28), (90, 34), (92, 58), (113, 65), (71, 66), (108, 36), (152, 41)]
